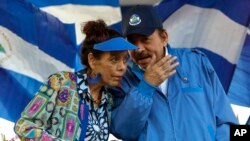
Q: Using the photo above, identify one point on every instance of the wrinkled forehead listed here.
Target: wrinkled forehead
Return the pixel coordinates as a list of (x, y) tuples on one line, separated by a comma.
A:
[(133, 38)]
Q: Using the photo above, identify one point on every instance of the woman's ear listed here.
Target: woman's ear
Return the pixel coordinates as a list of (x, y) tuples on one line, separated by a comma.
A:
[(91, 60)]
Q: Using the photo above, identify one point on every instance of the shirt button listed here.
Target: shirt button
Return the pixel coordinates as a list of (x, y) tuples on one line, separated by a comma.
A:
[(185, 79)]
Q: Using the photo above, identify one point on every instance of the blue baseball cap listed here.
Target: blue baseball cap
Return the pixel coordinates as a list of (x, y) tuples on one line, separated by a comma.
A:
[(115, 44), (141, 19)]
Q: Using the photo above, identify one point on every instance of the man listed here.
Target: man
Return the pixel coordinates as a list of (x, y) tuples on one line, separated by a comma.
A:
[(162, 99)]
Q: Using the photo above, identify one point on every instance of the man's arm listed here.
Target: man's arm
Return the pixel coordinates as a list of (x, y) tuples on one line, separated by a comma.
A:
[(130, 117), (222, 108)]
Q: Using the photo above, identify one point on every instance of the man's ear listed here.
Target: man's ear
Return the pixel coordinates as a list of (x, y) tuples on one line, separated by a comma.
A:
[(165, 37), (91, 60)]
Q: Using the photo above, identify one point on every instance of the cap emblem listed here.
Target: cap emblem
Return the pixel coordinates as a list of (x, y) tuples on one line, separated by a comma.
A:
[(134, 20)]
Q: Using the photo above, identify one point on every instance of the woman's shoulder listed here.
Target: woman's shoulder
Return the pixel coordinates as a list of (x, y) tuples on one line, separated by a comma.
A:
[(63, 75), (58, 79)]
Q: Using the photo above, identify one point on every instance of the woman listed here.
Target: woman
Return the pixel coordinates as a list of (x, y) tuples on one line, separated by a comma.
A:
[(76, 106)]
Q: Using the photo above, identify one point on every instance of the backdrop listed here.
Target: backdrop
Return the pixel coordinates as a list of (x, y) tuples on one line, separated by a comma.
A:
[(41, 37)]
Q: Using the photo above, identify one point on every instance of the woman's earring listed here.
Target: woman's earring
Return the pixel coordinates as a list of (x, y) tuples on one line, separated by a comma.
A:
[(95, 79)]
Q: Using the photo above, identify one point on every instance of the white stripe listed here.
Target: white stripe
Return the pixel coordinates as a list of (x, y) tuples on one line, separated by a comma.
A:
[(192, 26), (6, 129), (241, 112), (78, 14), (27, 59)]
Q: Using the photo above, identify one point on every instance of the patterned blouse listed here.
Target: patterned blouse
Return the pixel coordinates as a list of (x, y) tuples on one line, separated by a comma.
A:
[(97, 129), (63, 109)]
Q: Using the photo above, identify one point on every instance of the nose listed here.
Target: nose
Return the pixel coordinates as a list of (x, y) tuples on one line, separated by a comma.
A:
[(140, 46)]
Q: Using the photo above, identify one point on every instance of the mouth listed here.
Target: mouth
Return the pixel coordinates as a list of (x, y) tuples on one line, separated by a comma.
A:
[(142, 56), (117, 78), (143, 60)]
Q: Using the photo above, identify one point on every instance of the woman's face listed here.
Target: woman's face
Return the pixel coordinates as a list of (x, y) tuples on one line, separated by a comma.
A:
[(111, 66)]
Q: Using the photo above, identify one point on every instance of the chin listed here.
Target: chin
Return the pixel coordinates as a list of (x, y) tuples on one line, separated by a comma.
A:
[(114, 84), (143, 66)]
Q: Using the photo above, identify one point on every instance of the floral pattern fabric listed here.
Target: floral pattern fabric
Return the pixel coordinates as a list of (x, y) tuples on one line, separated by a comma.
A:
[(97, 129), (53, 112)]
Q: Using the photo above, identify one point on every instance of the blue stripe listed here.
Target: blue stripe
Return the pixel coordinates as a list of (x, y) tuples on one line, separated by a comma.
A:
[(44, 3), (238, 11), (40, 29), (239, 89), (239, 92), (14, 93), (225, 71), (168, 7)]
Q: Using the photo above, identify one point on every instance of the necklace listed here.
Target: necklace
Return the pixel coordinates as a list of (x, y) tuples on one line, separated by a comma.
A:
[(96, 101)]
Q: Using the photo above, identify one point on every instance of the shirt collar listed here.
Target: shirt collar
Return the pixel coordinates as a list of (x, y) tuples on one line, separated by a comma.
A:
[(84, 88)]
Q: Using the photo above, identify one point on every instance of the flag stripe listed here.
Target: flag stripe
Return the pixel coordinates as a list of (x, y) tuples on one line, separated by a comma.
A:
[(45, 3), (237, 11), (29, 39), (14, 93), (45, 35), (26, 58), (207, 28), (79, 14), (239, 92)]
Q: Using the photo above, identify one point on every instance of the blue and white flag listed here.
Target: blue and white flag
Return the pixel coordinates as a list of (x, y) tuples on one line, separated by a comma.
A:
[(37, 39), (41, 37), (220, 29), (33, 45)]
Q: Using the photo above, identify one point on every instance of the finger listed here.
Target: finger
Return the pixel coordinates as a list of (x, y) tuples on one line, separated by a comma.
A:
[(172, 60), (169, 74), (166, 60), (171, 69), (174, 65), (171, 64), (163, 61)]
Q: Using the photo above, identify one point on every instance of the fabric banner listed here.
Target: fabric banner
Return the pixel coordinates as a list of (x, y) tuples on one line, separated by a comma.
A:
[(37, 39)]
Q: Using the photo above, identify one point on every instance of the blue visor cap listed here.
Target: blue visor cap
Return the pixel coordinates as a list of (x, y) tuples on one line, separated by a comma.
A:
[(115, 44)]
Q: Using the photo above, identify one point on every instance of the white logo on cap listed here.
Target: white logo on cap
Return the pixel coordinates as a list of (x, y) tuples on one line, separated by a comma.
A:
[(134, 20)]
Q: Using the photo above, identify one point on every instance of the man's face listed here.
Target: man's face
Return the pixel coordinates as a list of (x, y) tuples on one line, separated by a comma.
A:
[(148, 47)]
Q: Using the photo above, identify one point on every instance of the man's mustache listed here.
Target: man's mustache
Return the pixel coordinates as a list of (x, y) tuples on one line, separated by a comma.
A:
[(141, 55)]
